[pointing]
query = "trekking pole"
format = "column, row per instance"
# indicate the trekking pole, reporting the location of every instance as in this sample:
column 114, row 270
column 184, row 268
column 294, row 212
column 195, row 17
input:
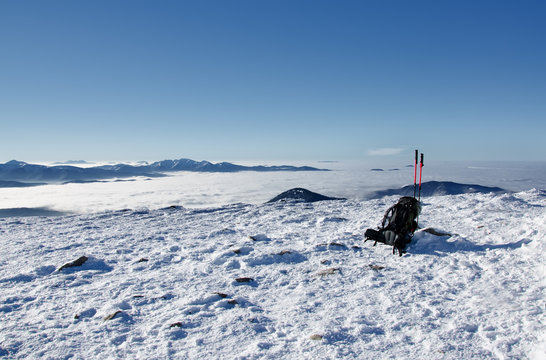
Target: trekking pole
column 420, row 174
column 420, row 177
column 415, row 173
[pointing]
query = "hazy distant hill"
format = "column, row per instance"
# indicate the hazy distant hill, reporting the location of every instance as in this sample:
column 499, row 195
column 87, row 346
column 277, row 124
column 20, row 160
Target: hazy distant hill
column 4, row 184
column 73, row 162
column 435, row 188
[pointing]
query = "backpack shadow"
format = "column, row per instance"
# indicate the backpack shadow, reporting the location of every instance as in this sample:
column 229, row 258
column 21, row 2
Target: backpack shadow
column 429, row 244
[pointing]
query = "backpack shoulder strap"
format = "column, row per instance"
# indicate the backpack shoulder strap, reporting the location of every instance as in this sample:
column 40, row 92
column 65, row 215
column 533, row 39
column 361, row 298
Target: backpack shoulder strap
column 387, row 215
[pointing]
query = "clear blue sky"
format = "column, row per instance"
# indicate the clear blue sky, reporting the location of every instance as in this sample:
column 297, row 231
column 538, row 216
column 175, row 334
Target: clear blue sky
column 265, row 80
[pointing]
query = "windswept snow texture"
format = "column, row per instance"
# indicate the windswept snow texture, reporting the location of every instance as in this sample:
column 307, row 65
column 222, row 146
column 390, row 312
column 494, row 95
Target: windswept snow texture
column 285, row 280
column 300, row 194
column 436, row 188
column 21, row 171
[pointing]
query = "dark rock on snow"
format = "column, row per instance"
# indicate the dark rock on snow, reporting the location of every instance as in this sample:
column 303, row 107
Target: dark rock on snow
column 113, row 315
column 78, row 262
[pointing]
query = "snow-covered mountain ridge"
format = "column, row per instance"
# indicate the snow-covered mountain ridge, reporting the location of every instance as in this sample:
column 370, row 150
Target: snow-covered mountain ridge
column 281, row 280
column 21, row 171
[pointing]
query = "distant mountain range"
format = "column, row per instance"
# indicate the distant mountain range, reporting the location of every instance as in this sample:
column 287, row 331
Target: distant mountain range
column 17, row 173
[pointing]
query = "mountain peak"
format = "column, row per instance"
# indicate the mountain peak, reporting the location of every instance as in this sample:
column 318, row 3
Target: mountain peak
column 15, row 163
column 301, row 194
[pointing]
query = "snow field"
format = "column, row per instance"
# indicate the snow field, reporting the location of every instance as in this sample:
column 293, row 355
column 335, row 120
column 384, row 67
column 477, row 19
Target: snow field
column 283, row 280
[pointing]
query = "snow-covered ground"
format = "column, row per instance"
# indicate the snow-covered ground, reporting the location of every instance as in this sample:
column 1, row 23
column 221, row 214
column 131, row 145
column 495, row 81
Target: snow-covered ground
column 162, row 283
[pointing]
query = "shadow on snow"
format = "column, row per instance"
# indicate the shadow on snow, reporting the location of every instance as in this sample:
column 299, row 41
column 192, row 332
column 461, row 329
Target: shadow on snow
column 424, row 243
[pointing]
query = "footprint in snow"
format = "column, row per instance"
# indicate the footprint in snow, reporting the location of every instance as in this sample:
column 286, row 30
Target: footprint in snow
column 85, row 314
column 331, row 220
column 230, row 254
column 284, row 257
column 215, row 300
column 176, row 332
column 222, row 232
column 331, row 246
column 329, row 271
column 38, row 272
column 14, row 303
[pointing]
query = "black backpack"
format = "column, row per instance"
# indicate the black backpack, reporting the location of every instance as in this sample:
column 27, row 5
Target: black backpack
column 398, row 225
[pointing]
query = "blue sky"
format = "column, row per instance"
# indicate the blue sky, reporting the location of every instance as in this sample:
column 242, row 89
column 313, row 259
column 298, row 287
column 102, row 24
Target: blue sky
column 272, row 80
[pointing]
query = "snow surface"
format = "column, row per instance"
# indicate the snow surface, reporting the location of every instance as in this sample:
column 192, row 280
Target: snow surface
column 161, row 283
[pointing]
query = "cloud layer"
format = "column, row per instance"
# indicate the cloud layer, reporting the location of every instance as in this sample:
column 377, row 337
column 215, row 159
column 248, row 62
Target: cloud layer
column 348, row 180
column 385, row 151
